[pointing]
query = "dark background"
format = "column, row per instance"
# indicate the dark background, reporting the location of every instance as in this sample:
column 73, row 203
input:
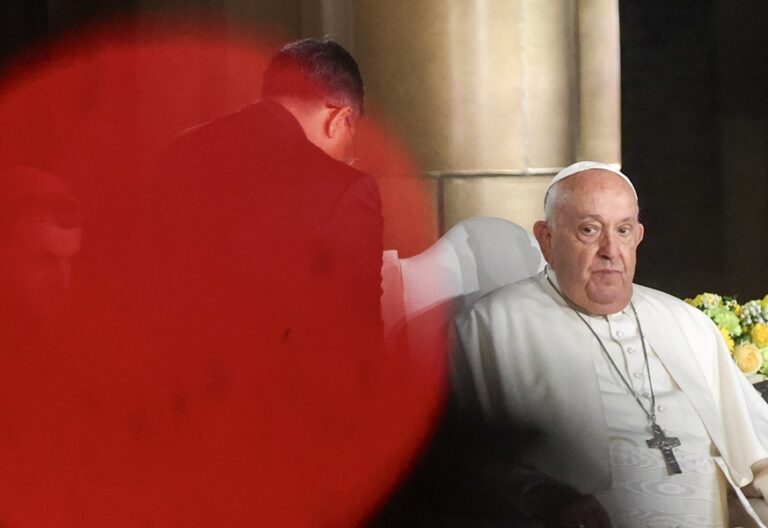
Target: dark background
column 694, row 128
column 695, row 141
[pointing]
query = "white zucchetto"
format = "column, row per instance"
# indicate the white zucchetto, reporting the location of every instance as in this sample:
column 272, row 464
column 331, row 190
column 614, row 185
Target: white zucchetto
column 581, row 166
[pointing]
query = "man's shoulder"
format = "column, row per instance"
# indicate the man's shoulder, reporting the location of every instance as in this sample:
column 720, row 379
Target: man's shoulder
column 265, row 139
column 362, row 184
column 520, row 288
column 664, row 301
column 647, row 292
column 651, row 294
column 280, row 131
column 512, row 297
column 255, row 123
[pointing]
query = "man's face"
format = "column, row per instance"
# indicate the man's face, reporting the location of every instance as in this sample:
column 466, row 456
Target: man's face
column 593, row 242
column 36, row 266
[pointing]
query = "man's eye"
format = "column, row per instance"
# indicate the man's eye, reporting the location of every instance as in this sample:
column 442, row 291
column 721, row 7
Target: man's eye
column 589, row 230
column 625, row 230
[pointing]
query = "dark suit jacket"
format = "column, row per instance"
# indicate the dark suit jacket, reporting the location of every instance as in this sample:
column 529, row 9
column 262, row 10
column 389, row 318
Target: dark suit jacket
column 255, row 218
column 263, row 277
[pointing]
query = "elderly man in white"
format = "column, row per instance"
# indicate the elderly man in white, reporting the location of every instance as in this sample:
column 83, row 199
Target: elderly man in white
column 634, row 391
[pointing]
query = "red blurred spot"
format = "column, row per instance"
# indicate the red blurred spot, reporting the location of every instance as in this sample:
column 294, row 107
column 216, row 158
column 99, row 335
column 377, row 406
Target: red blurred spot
column 173, row 393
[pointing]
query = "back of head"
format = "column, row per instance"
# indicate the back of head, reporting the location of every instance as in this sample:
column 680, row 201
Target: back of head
column 315, row 69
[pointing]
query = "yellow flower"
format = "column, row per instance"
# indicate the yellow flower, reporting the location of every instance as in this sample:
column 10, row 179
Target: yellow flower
column 705, row 300
column 727, row 338
column 747, row 358
column 710, row 300
column 759, row 335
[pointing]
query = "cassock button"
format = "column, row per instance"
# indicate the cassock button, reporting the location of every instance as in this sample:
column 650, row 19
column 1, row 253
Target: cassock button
column 638, row 375
column 661, row 408
column 630, row 350
column 619, row 333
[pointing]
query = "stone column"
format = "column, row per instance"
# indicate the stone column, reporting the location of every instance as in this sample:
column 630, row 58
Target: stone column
column 491, row 96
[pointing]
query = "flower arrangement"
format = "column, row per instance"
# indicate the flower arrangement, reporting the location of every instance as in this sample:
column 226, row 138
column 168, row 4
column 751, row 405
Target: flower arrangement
column 744, row 328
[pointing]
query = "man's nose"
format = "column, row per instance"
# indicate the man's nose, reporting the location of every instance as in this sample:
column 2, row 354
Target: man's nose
column 609, row 245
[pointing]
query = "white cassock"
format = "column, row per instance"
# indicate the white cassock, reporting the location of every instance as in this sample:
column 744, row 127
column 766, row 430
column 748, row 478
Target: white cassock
column 527, row 356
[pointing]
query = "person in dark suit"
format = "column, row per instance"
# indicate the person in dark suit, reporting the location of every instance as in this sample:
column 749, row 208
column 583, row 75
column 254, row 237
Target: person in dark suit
column 271, row 183
column 262, row 281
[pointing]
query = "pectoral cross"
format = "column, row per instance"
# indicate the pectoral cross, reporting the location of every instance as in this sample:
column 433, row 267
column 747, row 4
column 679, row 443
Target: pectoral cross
column 665, row 444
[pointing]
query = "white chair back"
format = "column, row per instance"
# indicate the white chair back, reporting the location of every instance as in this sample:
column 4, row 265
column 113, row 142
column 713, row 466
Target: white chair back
column 473, row 258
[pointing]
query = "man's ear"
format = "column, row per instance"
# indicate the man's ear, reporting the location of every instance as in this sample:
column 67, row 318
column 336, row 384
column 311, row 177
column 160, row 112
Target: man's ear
column 544, row 237
column 640, row 233
column 334, row 123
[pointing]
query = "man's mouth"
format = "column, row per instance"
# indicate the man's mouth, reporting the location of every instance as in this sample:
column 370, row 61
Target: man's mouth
column 607, row 272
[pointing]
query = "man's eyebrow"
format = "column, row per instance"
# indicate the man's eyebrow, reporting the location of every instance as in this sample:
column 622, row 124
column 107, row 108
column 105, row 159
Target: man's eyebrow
column 591, row 216
column 587, row 216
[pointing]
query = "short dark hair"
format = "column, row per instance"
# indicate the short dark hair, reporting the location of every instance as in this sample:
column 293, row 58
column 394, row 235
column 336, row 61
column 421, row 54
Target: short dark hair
column 314, row 68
